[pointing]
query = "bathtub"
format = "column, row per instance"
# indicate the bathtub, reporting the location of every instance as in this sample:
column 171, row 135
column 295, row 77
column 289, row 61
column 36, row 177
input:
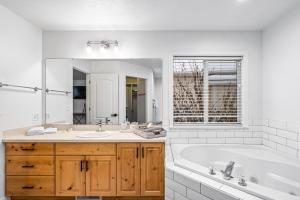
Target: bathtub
column 269, row 175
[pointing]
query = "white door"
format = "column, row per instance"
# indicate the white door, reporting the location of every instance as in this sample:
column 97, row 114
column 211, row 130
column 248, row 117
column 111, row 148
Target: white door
column 104, row 102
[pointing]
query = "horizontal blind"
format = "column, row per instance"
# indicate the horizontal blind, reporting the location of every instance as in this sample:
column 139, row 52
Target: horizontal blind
column 188, row 90
column 207, row 90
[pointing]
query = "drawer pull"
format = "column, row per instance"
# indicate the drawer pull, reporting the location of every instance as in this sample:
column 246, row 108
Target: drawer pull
column 28, row 166
column 27, row 149
column 86, row 165
column 137, row 152
column 81, row 165
column 28, row 187
column 142, row 152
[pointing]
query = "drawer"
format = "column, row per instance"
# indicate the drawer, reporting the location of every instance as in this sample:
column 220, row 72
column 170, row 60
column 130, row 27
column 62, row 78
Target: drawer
column 29, row 165
column 29, row 185
column 29, row 149
column 42, row 198
column 86, row 149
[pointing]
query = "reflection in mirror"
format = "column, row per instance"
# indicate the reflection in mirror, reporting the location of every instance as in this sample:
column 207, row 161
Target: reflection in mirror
column 135, row 99
column 103, row 91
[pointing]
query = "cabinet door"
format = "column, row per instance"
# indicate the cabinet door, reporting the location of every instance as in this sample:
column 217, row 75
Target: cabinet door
column 101, row 175
column 128, row 169
column 152, row 169
column 70, row 176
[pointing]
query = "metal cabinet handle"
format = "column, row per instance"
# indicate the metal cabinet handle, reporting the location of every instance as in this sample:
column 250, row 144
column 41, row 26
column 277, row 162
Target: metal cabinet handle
column 86, row 165
column 28, row 148
column 28, row 187
column 81, row 165
column 27, row 166
column 142, row 152
column 137, row 152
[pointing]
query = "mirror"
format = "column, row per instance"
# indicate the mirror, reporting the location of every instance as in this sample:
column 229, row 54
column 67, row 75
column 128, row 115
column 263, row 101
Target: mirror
column 89, row 91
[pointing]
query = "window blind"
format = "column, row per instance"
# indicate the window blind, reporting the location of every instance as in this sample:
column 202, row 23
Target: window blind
column 207, row 90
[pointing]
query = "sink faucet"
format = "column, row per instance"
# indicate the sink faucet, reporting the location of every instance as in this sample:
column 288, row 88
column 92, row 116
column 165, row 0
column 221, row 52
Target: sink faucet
column 228, row 170
column 99, row 126
column 107, row 120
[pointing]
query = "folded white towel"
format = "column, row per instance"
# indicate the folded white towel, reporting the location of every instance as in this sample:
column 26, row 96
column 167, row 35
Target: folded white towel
column 36, row 131
column 50, row 130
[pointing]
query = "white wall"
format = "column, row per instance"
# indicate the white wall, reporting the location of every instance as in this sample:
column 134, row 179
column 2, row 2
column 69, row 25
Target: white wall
column 158, row 98
column 281, row 69
column 20, row 63
column 59, row 76
column 165, row 44
column 281, row 84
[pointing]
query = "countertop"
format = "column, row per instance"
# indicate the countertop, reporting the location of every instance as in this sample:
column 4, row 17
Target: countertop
column 77, row 136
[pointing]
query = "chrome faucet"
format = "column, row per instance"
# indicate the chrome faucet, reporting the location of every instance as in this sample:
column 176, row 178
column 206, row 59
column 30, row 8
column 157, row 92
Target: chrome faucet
column 228, row 171
column 99, row 126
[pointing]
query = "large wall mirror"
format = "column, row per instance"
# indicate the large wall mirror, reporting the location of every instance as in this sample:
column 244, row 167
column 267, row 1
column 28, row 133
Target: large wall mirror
column 86, row 91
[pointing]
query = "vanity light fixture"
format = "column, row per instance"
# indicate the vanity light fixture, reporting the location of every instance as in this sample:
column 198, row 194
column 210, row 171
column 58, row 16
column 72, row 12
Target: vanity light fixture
column 103, row 44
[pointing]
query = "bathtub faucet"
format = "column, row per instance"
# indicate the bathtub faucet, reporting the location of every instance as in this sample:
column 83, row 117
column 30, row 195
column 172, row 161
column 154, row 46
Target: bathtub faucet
column 228, row 170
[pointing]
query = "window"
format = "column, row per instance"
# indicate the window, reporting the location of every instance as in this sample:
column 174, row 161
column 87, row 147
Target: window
column 207, row 90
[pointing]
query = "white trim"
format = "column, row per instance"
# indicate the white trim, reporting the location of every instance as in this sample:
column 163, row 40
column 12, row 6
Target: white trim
column 244, row 77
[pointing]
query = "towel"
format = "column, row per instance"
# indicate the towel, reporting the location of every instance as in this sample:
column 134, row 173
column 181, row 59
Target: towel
column 36, row 131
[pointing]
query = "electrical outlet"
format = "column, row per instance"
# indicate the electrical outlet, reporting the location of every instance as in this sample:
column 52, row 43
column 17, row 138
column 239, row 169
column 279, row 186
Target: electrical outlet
column 35, row 117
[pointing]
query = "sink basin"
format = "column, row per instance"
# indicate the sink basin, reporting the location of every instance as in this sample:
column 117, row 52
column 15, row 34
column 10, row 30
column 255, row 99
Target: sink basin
column 93, row 135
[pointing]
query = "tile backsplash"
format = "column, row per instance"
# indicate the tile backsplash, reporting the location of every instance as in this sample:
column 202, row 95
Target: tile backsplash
column 283, row 137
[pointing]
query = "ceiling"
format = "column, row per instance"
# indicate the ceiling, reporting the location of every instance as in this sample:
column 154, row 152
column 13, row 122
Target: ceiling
column 150, row 14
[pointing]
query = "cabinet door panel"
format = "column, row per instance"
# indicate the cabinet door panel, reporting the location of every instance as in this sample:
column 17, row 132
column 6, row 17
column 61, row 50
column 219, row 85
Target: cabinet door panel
column 152, row 169
column 70, row 176
column 101, row 176
column 128, row 169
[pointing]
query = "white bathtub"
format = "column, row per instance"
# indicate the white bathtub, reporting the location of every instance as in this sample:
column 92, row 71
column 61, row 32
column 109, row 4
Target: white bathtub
column 269, row 175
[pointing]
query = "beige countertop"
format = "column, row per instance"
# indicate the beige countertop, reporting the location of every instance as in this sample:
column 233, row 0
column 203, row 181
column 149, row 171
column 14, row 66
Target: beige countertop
column 79, row 136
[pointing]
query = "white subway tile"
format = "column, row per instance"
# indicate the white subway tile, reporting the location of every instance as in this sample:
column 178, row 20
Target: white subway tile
column 225, row 134
column 288, row 150
column 215, row 194
column 176, row 186
column 215, row 140
column 287, row 134
column 277, row 124
column 234, row 140
column 197, row 140
column 293, row 127
column 180, row 197
column 252, row 140
column 270, row 130
column 189, row 183
column 169, row 173
column 191, row 194
column 266, row 136
column 257, row 134
column 269, row 144
column 256, row 128
column 188, row 134
column 278, row 139
column 207, row 134
column 243, row 134
column 169, row 193
column 292, row 144
column 173, row 134
column 179, row 140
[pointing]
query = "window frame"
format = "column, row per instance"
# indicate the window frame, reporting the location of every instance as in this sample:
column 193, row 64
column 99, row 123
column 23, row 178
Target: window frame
column 244, row 94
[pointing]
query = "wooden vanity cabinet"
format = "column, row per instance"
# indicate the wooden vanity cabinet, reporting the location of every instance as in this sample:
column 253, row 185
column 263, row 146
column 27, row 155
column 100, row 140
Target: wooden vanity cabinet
column 140, row 169
column 128, row 169
column 70, row 176
column 152, row 169
column 84, row 169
